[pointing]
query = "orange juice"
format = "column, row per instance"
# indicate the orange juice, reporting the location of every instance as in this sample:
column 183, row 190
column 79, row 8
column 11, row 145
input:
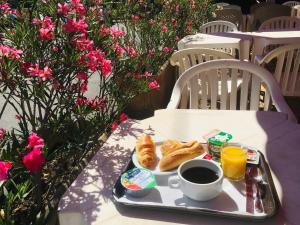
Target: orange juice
column 233, row 160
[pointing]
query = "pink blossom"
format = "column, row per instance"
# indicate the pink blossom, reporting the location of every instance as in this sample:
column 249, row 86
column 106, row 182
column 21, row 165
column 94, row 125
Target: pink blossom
column 73, row 26
column 36, row 21
column 118, row 48
column 167, row 50
column 106, row 67
column 132, row 53
column 177, row 8
column 56, row 85
column 114, row 126
column 2, row 134
column 45, row 34
column 63, row 9
column 47, row 23
column 35, row 142
column 34, row 160
column 150, row 52
column 82, row 76
column 173, row 20
column 34, row 70
column 177, row 38
column 84, row 87
column 18, row 116
column 114, row 31
column 81, row 101
column 148, row 74
column 5, row 50
column 164, row 28
column 55, row 49
column 45, row 74
column 15, row 53
column 123, row 117
column 97, row 103
column 84, row 44
column 135, row 17
column 4, row 6
column 104, row 31
column 154, row 85
column 4, row 167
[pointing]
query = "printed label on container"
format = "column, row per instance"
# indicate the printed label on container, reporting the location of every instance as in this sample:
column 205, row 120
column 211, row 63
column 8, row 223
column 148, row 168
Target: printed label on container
column 138, row 179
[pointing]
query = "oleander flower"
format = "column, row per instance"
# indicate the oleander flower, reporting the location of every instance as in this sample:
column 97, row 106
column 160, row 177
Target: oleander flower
column 34, row 160
column 106, row 67
column 2, row 134
column 154, row 85
column 35, row 142
column 114, row 126
column 123, row 117
column 4, row 167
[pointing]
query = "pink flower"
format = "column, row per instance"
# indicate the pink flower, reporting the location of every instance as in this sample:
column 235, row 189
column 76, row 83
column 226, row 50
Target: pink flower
column 2, row 134
column 34, row 71
column 73, row 26
column 45, row 34
column 98, row 103
column 35, row 142
column 177, row 9
column 114, row 126
column 5, row 50
column 167, row 50
column 118, row 48
column 164, row 28
column 82, row 76
column 150, row 53
column 15, row 53
column 45, row 74
column 106, row 67
column 173, row 20
column 5, row 8
column 63, row 9
column 81, row 101
column 84, row 44
column 4, row 167
column 18, row 116
column 104, row 31
column 47, row 23
column 55, row 49
column 123, row 117
column 36, row 21
column 135, row 17
column 154, row 85
column 84, row 87
column 132, row 53
column 34, row 160
column 148, row 74
column 114, row 31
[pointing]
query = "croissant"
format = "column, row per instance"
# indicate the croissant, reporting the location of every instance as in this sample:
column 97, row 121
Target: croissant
column 170, row 146
column 175, row 158
column 145, row 149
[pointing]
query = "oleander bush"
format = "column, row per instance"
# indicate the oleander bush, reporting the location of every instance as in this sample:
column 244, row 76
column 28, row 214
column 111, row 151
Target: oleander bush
column 50, row 50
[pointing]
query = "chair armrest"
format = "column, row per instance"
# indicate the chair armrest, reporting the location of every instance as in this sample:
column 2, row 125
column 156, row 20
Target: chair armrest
column 258, row 60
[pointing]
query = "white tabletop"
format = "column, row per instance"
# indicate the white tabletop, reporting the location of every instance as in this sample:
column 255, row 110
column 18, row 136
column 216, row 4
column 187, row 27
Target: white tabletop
column 89, row 199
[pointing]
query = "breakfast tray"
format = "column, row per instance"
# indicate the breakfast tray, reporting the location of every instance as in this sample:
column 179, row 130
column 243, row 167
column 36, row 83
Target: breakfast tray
column 253, row 198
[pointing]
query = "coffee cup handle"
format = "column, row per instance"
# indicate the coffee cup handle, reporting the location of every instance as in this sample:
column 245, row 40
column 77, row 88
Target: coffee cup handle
column 174, row 182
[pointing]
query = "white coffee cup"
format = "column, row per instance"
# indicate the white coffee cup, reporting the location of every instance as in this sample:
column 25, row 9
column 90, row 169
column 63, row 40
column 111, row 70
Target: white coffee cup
column 196, row 191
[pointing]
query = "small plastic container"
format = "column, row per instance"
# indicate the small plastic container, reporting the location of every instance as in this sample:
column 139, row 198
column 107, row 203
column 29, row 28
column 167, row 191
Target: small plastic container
column 138, row 182
column 215, row 144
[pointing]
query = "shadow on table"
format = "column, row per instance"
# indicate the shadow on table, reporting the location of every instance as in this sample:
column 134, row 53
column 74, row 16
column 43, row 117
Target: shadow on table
column 283, row 156
column 107, row 164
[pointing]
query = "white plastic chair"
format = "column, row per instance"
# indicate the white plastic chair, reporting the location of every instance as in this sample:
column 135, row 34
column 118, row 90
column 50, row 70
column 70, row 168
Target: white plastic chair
column 281, row 23
column 222, row 4
column 218, row 26
column 215, row 71
column 284, row 62
column 291, row 3
column 186, row 58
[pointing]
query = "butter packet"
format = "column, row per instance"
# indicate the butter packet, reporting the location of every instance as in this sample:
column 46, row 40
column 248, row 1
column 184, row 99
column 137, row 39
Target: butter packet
column 252, row 156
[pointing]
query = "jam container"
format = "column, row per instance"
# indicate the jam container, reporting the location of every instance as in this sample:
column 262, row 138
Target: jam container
column 215, row 144
column 138, row 182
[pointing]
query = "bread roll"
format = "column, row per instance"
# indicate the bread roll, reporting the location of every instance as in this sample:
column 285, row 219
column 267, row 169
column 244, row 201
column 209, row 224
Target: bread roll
column 177, row 157
column 170, row 146
column 145, row 149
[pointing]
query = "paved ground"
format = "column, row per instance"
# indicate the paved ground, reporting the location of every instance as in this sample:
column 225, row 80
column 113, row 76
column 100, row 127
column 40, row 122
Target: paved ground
column 8, row 119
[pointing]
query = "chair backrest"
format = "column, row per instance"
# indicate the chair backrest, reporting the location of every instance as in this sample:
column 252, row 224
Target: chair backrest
column 284, row 62
column 237, row 7
column 232, row 15
column 217, row 72
column 268, row 11
column 189, row 57
column 280, row 24
column 222, row 4
column 218, row 26
column 291, row 3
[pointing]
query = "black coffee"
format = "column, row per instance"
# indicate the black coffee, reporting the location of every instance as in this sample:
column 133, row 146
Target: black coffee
column 200, row 175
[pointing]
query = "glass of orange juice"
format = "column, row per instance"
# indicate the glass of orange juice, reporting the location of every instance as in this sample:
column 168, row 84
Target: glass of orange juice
column 233, row 161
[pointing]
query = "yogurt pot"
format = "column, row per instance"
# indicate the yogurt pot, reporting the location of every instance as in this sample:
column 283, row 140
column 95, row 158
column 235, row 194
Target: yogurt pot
column 138, row 182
